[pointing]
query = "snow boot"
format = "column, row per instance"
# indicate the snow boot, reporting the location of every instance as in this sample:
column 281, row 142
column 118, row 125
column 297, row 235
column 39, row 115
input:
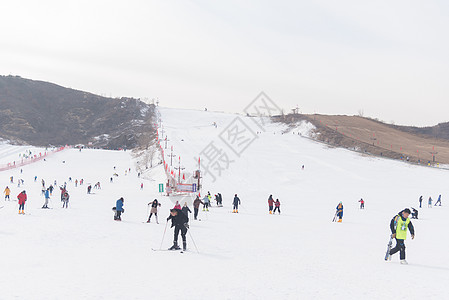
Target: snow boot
column 237, row 211
column 404, row 262
column 184, row 246
column 271, row 212
column 339, row 220
column 175, row 246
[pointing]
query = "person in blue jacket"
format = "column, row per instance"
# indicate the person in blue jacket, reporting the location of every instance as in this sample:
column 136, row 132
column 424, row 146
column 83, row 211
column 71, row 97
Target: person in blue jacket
column 438, row 201
column 340, row 212
column 119, row 209
column 47, row 197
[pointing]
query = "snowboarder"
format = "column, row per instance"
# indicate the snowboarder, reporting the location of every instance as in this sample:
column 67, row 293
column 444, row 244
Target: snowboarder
column 22, row 197
column 186, row 210
column 340, row 212
column 277, row 206
column 179, row 221
column 430, row 202
column 47, row 197
column 398, row 227
column 236, row 203
column 420, row 202
column 65, row 200
column 206, row 203
column 438, row 201
column 270, row 204
column 119, row 209
column 154, row 205
column 414, row 213
column 362, row 203
column 177, row 205
column 196, row 207
column 7, row 192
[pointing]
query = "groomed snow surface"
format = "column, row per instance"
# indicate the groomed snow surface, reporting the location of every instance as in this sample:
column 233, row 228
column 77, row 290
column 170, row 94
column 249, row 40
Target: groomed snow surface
column 82, row 253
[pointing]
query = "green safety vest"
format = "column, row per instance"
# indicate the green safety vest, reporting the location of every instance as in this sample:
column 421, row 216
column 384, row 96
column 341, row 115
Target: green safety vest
column 401, row 228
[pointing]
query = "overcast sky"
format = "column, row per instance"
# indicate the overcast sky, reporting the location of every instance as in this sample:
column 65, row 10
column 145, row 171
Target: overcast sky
column 387, row 58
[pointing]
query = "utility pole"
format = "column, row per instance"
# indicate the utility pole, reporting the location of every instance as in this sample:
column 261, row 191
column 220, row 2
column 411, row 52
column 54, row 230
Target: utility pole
column 166, row 140
column 171, row 157
column 179, row 170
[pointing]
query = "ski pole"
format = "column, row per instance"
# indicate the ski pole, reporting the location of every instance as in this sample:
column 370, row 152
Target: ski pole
column 333, row 220
column 194, row 242
column 163, row 236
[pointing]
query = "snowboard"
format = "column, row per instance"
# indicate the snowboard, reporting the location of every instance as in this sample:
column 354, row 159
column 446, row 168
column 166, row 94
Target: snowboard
column 390, row 243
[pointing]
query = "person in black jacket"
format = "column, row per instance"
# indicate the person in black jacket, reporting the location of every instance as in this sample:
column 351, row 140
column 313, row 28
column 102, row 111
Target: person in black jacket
column 179, row 221
column 186, row 210
column 398, row 226
column 236, row 203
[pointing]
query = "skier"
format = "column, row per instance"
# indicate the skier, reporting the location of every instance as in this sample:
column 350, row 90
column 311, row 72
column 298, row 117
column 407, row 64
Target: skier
column 196, row 206
column 22, row 197
column 277, row 207
column 217, row 199
column 47, row 197
column 206, row 203
column 51, row 189
column 430, row 202
column 63, row 190
column 177, row 205
column 7, row 192
column 398, row 227
column 362, row 203
column 119, row 209
column 420, row 201
column 179, row 221
column 141, row 186
column 210, row 198
column 414, row 213
column 438, row 201
column 220, row 200
column 89, row 188
column 270, row 204
column 236, row 203
column 186, row 210
column 65, row 200
column 340, row 212
column 154, row 205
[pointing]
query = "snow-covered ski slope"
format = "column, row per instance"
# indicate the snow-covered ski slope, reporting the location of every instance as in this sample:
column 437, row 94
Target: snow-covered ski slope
column 81, row 253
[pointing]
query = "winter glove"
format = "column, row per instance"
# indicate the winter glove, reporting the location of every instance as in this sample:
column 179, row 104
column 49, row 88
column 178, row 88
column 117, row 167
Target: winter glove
column 393, row 235
column 186, row 225
column 168, row 219
column 413, row 236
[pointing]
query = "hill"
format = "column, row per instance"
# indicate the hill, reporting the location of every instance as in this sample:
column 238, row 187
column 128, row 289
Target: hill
column 41, row 113
column 420, row 145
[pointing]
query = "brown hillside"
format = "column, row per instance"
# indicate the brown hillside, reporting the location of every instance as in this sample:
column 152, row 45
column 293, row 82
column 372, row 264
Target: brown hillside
column 370, row 136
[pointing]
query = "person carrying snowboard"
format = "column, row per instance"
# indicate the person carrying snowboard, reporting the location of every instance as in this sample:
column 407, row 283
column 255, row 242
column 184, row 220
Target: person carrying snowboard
column 7, row 192
column 179, row 221
column 438, row 201
column 362, row 203
column 196, row 207
column 236, row 203
column 270, row 204
column 340, row 212
column 398, row 226
column 277, row 206
column 154, row 205
column 22, row 197
column 119, row 209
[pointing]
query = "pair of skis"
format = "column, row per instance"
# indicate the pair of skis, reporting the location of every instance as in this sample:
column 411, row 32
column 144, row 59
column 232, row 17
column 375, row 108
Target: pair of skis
column 389, row 246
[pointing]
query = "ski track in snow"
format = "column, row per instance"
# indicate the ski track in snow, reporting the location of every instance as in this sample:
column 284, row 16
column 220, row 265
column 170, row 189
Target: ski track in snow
column 82, row 253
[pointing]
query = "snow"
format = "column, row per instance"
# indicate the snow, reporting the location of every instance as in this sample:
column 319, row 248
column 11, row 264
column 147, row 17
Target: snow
column 82, row 253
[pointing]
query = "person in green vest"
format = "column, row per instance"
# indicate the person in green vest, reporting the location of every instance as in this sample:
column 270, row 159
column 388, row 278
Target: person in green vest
column 398, row 226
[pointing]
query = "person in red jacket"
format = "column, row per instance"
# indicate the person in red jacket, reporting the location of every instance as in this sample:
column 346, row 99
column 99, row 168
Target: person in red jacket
column 270, row 204
column 22, row 197
column 277, row 205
